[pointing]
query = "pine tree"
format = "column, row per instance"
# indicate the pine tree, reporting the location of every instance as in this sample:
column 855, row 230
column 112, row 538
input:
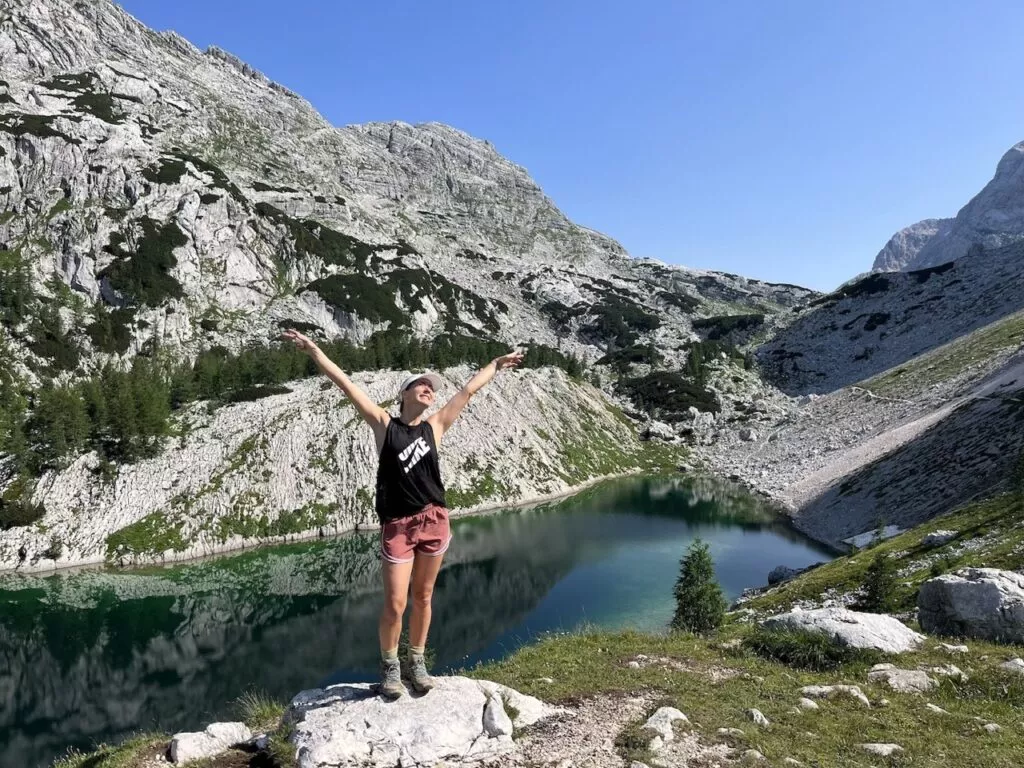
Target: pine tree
column 700, row 605
column 879, row 585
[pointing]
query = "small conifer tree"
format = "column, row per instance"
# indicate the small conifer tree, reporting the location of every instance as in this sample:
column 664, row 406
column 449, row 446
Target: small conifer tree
column 879, row 585
column 700, row 606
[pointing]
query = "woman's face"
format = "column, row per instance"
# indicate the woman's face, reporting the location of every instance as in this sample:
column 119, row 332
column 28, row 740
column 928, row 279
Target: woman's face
column 419, row 392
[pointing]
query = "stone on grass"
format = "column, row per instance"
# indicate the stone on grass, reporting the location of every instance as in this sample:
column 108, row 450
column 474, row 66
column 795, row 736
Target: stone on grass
column 808, row 704
column 638, row 764
column 758, row 717
column 903, row 680
column 950, row 670
column 828, row 691
column 735, row 733
column 662, row 721
column 753, row 757
column 974, row 602
column 790, row 761
column 954, row 648
column 217, row 738
column 938, row 538
column 882, row 750
column 460, row 722
column 851, row 628
column 992, row 727
column 1013, row 665
column 936, row 709
column 633, row 664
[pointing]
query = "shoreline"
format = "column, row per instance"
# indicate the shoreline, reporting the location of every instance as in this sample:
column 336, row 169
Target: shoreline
column 237, row 545
column 199, row 554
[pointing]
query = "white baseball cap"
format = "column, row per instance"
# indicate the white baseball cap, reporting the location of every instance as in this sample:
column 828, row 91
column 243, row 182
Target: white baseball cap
column 433, row 378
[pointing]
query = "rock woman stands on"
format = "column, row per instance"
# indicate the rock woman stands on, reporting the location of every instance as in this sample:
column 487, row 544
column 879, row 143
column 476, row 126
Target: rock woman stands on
column 410, row 501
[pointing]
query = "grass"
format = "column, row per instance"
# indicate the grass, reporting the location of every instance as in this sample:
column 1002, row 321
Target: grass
column 714, row 687
column 259, row 711
column 947, row 361
column 129, row 754
column 990, row 535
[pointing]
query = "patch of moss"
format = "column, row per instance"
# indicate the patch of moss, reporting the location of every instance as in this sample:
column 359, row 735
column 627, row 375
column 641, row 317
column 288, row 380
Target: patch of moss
column 360, row 295
column 153, row 534
column 208, row 198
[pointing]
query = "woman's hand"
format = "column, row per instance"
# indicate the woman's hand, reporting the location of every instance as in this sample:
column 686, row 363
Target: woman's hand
column 304, row 343
column 511, row 360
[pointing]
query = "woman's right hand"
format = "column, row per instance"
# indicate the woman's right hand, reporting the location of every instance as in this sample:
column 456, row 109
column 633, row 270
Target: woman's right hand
column 301, row 341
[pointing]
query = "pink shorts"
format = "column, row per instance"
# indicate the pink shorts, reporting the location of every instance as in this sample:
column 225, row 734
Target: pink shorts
column 426, row 532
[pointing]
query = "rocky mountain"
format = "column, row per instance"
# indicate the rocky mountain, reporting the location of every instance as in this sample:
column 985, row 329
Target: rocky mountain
column 903, row 247
column 992, row 219
column 167, row 211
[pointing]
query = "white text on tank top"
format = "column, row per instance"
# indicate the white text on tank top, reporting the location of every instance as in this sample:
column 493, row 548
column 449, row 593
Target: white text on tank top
column 415, row 451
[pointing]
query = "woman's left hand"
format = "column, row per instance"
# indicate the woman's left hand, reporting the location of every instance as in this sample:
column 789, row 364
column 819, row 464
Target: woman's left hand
column 510, row 360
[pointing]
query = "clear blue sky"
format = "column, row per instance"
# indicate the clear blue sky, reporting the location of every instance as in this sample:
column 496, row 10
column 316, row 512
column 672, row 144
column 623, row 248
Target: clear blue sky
column 781, row 140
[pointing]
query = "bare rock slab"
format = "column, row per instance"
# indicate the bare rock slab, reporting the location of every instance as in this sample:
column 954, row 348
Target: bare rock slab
column 851, row 628
column 903, row 680
column 217, row 738
column 974, row 602
column 460, row 722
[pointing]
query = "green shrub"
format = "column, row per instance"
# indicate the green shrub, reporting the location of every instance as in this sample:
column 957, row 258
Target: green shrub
column 667, row 395
column 806, row 650
column 142, row 271
column 700, row 606
column 718, row 327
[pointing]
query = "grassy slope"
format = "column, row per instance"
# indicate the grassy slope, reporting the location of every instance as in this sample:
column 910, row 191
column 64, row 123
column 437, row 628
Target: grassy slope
column 951, row 359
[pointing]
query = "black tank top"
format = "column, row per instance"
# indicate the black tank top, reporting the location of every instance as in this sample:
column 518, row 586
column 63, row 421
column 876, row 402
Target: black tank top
column 408, row 475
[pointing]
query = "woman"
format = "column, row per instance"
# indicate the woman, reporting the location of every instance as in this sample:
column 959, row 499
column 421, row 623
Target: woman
column 410, row 502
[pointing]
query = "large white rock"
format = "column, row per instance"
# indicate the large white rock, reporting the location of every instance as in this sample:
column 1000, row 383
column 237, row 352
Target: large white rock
column 851, row 628
column 460, row 722
column 975, row 602
column 938, row 538
column 217, row 738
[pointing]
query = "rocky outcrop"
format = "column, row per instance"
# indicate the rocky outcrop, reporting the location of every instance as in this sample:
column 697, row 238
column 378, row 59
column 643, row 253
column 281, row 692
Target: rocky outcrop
column 216, row 738
column 903, row 247
column 993, row 218
column 350, row 725
column 976, row 602
column 850, row 628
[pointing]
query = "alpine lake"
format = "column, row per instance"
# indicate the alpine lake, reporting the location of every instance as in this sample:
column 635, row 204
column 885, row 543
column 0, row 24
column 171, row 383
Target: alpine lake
column 96, row 655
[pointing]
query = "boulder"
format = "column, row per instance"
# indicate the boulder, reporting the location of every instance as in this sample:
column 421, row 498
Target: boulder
column 828, row 691
column 974, row 602
column 781, row 573
column 851, row 628
column 460, row 722
column 938, row 538
column 903, row 680
column 1013, row 665
column 661, row 722
column 217, row 738
column 748, row 435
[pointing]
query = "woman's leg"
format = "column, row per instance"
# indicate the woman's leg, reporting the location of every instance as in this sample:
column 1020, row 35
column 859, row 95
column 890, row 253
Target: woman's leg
column 424, row 573
column 396, row 593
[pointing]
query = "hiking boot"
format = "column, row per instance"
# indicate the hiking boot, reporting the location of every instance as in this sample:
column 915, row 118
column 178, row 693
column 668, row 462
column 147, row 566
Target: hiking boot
column 391, row 679
column 421, row 681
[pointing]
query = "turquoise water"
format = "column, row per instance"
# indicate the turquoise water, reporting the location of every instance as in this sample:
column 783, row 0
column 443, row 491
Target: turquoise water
column 94, row 656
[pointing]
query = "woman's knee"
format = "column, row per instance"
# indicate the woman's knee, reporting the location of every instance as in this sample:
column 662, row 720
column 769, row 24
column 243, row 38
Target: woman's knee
column 422, row 595
column 393, row 609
